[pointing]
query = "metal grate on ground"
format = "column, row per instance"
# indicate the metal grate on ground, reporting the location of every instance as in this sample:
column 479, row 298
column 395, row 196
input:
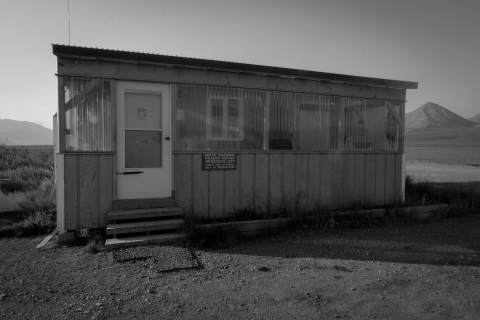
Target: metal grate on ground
column 163, row 258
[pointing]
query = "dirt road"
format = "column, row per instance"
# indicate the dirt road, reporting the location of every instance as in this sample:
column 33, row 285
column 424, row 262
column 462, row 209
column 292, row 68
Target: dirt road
column 424, row 271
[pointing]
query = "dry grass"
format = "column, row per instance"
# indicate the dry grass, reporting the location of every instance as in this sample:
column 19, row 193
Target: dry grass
column 31, row 187
column 36, row 223
column 462, row 198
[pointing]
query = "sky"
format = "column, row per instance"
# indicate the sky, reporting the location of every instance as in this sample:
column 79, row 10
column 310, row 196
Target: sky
column 433, row 42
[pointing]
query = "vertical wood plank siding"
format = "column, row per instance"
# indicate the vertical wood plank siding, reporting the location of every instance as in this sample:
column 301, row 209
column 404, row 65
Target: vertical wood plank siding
column 88, row 190
column 71, row 191
column 288, row 179
column 349, row 179
column 261, row 180
column 301, row 180
column 390, row 176
column 247, row 178
column 338, row 180
column 232, row 190
column 200, row 186
column 216, row 193
column 370, row 164
column 380, row 179
column 359, row 178
column 326, row 190
column 268, row 181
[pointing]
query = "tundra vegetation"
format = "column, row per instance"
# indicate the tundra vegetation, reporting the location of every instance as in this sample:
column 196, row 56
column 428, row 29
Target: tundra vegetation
column 27, row 178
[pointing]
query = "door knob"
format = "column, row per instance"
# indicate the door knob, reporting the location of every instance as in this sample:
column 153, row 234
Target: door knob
column 167, row 138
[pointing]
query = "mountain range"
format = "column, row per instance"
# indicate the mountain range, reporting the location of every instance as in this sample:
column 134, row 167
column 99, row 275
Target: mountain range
column 15, row 132
column 431, row 115
column 432, row 125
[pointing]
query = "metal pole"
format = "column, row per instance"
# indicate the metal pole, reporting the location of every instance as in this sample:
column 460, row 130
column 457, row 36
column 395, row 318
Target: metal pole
column 68, row 22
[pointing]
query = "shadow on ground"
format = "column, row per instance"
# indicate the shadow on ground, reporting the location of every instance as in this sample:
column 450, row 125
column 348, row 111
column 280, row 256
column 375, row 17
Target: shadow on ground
column 451, row 241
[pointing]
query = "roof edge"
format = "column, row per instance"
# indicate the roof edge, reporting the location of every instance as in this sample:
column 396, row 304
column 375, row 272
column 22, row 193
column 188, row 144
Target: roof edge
column 138, row 57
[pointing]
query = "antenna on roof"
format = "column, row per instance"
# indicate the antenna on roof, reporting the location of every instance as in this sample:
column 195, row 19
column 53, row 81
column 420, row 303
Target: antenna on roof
column 68, row 22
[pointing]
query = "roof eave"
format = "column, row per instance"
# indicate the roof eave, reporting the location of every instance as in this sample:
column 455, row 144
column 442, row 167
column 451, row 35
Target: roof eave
column 174, row 61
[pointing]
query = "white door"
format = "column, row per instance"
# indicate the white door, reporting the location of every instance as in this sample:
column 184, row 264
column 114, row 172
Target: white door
column 143, row 140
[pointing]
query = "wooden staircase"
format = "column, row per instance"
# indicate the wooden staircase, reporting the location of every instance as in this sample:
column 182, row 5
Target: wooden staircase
column 136, row 222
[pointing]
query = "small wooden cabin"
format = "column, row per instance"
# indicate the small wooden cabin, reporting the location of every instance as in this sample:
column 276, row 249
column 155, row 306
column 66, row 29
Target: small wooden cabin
column 139, row 130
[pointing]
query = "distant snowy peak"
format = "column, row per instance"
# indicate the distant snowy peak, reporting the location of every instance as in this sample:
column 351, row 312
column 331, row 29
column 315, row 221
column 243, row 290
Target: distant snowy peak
column 431, row 115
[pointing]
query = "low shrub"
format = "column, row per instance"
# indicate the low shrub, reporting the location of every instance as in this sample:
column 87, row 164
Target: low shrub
column 35, row 200
column 29, row 177
column 40, row 211
column 12, row 157
column 13, row 186
column 34, row 224
column 461, row 198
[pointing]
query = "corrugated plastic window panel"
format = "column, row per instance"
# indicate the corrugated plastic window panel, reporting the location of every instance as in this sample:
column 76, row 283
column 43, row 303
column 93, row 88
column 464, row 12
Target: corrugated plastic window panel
column 355, row 132
column 305, row 122
column 88, row 108
column 394, row 126
column 235, row 119
column 219, row 118
column 384, row 125
column 283, row 131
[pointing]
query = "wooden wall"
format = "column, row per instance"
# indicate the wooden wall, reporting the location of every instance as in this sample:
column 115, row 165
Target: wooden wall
column 271, row 180
column 265, row 181
column 88, row 190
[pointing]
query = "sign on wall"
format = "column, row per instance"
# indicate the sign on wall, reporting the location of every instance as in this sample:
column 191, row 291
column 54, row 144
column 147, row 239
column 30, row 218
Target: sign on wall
column 219, row 161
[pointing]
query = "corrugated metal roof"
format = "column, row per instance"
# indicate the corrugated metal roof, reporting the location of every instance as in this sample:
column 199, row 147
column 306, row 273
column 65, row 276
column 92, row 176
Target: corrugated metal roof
column 228, row 66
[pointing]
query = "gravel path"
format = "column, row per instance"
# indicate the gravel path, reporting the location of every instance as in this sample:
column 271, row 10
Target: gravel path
column 423, row 271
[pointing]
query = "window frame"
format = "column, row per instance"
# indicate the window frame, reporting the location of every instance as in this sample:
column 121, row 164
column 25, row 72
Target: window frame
column 225, row 126
column 64, row 106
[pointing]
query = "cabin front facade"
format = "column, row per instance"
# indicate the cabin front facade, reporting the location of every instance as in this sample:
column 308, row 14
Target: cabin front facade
column 213, row 138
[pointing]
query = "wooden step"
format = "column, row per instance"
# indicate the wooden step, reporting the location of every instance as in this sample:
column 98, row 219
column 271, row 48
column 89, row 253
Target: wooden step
column 144, row 213
column 119, row 228
column 140, row 240
column 143, row 203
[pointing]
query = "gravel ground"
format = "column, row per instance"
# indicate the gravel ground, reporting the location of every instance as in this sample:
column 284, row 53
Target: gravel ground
column 422, row 271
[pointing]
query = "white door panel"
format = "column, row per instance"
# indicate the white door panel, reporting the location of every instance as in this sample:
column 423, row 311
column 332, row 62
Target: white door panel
column 143, row 140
